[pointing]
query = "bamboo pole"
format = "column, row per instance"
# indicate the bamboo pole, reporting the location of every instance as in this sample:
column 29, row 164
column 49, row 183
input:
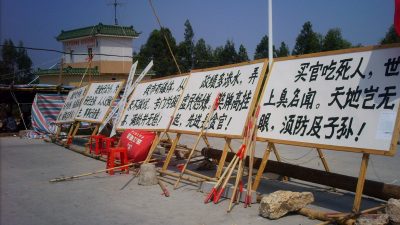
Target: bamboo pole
column 171, row 151
column 88, row 174
column 163, row 188
column 360, row 183
column 223, row 158
column 324, row 162
column 213, row 191
column 261, row 169
column 153, row 146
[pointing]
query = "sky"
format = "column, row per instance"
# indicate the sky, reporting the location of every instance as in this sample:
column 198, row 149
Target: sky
column 37, row 23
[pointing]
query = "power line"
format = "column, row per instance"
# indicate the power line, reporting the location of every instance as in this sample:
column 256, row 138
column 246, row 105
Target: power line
column 67, row 53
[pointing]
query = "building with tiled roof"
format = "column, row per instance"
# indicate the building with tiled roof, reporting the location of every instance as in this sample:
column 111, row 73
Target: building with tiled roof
column 110, row 45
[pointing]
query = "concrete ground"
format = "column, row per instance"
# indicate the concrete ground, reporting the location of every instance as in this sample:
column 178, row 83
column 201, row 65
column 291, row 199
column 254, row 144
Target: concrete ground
column 27, row 197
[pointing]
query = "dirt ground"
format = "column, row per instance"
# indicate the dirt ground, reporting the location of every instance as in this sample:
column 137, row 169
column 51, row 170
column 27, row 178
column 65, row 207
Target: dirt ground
column 27, row 197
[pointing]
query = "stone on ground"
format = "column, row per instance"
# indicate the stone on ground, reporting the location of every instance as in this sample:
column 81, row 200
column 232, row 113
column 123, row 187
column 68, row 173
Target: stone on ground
column 148, row 175
column 393, row 210
column 373, row 219
column 279, row 203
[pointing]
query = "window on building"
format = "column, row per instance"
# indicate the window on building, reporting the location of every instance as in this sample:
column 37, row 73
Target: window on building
column 71, row 56
column 90, row 53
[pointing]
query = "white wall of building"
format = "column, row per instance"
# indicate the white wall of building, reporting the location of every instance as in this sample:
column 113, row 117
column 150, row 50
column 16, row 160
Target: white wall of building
column 99, row 45
column 115, row 46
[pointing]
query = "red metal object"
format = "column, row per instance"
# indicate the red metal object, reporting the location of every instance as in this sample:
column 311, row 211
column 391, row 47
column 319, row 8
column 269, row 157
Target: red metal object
column 123, row 155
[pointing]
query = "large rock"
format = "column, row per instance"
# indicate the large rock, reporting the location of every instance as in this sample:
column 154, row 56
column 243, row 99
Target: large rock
column 373, row 219
column 393, row 209
column 148, row 175
column 279, row 203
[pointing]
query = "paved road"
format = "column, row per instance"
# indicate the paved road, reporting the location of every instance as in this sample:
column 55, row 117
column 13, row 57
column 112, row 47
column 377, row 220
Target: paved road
column 28, row 198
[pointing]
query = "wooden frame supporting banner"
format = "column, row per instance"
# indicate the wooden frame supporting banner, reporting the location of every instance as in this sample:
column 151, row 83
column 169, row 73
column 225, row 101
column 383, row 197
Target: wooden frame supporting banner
column 360, row 183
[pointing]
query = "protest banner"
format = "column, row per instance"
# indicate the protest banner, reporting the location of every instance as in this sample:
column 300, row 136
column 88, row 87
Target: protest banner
column 345, row 100
column 236, row 86
column 97, row 103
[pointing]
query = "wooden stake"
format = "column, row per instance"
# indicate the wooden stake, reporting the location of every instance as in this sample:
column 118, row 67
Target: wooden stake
column 251, row 162
column 206, row 142
column 213, row 191
column 171, row 152
column 91, row 173
column 360, row 183
column 153, row 146
column 261, row 169
column 188, row 178
column 226, row 180
column 278, row 158
column 159, row 138
column 188, row 159
column 163, row 188
column 58, row 131
column 248, row 141
column 96, row 129
column 75, row 130
column 223, row 158
column 324, row 162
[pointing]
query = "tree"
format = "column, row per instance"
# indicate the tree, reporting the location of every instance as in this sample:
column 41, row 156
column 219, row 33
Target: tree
column 262, row 48
column 334, row 41
column 217, row 55
column 15, row 64
column 157, row 49
column 283, row 50
column 391, row 36
column 202, row 55
column 307, row 41
column 228, row 54
column 242, row 54
column 186, row 48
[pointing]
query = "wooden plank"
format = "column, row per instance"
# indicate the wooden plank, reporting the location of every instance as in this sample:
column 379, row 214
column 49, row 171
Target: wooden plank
column 223, row 158
column 153, row 147
column 360, row 183
column 262, row 166
column 324, row 162
column 171, row 152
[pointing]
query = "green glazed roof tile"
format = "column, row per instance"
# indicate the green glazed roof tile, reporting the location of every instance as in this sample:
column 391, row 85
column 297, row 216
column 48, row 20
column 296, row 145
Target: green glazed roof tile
column 99, row 29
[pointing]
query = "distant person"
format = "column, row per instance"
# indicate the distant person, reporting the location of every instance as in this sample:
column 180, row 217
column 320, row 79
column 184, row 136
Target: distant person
column 9, row 123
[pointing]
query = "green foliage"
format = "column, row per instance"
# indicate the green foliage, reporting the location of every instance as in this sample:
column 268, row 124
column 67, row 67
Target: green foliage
column 307, row 41
column 262, row 48
column 391, row 36
column 186, row 48
column 157, row 49
column 242, row 54
column 202, row 55
column 15, row 65
column 283, row 50
column 228, row 55
column 333, row 41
